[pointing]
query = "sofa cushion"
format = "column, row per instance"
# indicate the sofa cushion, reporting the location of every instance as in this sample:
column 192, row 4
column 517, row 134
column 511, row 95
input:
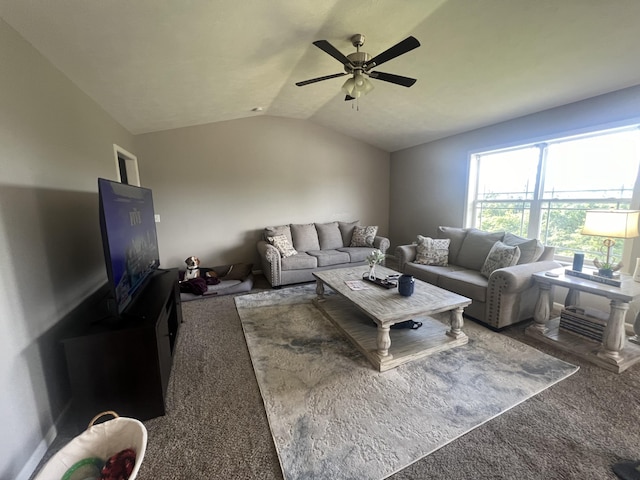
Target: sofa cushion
column 279, row 230
column 299, row 262
column 330, row 257
column 305, row 237
column 468, row 283
column 530, row 248
column 432, row 252
column 500, row 256
column 281, row 242
column 363, row 236
column 346, row 230
column 356, row 254
column 456, row 236
column 429, row 273
column 475, row 248
column 329, row 236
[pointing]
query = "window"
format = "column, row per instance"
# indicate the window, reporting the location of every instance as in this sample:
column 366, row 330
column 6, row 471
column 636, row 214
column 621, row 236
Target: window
column 543, row 190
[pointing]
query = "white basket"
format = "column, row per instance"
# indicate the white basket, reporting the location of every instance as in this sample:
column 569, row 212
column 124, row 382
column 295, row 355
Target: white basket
column 103, row 441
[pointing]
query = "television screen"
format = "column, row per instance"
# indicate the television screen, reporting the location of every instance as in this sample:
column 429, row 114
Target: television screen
column 127, row 222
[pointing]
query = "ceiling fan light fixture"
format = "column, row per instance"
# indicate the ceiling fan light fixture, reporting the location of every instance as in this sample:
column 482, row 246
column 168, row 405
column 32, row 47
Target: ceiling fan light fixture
column 367, row 87
column 349, row 86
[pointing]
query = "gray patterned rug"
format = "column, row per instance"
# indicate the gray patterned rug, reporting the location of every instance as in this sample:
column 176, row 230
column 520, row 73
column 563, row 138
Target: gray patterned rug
column 332, row 416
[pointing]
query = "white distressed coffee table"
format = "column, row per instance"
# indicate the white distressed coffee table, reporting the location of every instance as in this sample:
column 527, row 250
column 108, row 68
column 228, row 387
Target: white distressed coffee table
column 353, row 311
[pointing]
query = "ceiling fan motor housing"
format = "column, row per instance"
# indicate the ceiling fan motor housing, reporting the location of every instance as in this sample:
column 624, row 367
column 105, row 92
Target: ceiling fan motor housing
column 359, row 59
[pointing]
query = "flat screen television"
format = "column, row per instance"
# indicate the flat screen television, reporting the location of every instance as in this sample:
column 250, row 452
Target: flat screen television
column 127, row 223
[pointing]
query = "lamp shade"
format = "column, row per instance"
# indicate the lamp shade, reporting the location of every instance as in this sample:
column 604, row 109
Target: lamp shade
column 612, row 223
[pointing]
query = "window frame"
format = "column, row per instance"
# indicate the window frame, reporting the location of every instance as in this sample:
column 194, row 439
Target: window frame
column 539, row 203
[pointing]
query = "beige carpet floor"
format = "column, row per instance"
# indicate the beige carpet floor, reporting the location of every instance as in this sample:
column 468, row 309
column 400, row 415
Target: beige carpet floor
column 216, row 426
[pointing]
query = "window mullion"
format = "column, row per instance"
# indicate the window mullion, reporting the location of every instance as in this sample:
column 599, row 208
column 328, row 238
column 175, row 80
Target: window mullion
column 535, row 212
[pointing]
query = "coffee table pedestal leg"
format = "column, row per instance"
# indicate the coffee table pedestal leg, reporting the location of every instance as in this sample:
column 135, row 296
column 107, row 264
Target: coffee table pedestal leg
column 384, row 342
column 614, row 334
column 456, row 323
column 320, row 291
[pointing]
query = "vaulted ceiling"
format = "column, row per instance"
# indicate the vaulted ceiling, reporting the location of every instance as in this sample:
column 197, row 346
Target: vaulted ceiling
column 162, row 64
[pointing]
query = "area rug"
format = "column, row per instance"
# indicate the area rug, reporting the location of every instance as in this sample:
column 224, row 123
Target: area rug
column 333, row 416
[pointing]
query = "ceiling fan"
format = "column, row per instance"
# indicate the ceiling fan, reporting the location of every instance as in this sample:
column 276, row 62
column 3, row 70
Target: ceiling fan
column 359, row 65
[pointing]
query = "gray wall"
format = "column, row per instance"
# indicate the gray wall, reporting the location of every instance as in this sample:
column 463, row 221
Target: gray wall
column 54, row 143
column 217, row 186
column 429, row 181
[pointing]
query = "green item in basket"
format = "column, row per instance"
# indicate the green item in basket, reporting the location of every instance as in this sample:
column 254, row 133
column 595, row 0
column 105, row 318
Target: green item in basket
column 85, row 469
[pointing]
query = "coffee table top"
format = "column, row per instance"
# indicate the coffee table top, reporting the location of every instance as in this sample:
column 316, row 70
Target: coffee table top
column 387, row 305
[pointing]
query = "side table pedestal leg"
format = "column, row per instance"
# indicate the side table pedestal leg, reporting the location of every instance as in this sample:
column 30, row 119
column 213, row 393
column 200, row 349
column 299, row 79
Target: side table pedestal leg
column 614, row 333
column 542, row 312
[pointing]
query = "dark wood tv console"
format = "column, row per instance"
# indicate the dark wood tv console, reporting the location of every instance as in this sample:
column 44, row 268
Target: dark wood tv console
column 123, row 364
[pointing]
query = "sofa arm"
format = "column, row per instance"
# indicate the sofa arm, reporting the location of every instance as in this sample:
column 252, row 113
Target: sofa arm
column 381, row 243
column 271, row 263
column 519, row 277
column 512, row 293
column 404, row 255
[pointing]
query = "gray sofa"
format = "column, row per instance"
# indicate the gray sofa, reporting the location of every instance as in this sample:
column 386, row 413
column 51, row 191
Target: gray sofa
column 318, row 246
column 507, row 296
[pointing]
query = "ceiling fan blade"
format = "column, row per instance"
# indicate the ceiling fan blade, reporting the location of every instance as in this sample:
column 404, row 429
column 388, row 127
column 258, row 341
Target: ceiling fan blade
column 326, row 47
column 349, row 97
column 391, row 78
column 319, row 79
column 398, row 49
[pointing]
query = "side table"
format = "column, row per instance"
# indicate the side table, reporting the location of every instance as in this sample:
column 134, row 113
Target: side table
column 615, row 353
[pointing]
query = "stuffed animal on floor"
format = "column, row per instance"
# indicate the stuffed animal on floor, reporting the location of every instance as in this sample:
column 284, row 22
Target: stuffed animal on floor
column 193, row 268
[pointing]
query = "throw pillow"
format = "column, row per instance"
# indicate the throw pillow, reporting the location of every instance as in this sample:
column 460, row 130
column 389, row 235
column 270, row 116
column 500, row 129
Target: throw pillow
column 500, row 256
column 432, row 251
column 281, row 242
column 363, row 236
column 530, row 249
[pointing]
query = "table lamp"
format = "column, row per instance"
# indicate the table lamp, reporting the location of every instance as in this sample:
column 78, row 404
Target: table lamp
column 611, row 224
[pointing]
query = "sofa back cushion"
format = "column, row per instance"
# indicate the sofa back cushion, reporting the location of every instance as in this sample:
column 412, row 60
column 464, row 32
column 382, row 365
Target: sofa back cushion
column 329, row 236
column 456, row 236
column 475, row 248
column 346, row 230
column 305, row 237
column 530, row 249
column 279, row 230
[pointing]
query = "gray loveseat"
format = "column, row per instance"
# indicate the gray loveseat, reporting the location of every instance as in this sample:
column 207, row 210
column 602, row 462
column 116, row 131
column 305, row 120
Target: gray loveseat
column 317, row 246
column 507, row 296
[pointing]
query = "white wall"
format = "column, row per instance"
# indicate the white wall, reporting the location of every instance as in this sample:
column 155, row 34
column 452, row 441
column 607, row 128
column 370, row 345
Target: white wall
column 217, row 186
column 429, row 181
column 54, row 143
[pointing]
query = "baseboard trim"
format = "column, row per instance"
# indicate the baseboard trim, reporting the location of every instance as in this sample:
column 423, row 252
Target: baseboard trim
column 39, row 453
